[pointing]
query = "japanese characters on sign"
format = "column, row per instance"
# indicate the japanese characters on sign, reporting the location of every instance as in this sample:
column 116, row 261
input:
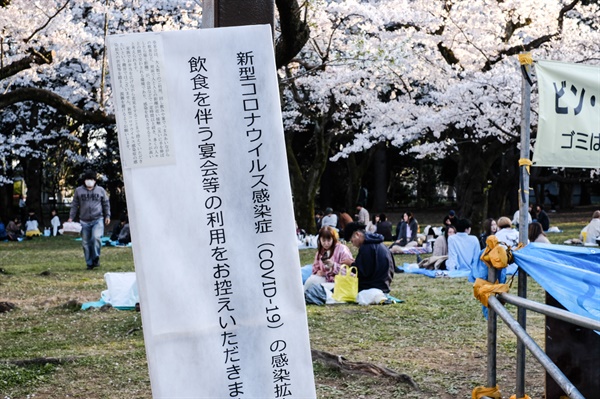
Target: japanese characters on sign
column 258, row 170
column 223, row 309
column 139, row 92
column 569, row 117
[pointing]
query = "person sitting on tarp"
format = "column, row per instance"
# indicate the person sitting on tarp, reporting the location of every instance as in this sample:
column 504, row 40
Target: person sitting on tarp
column 437, row 261
column 463, row 248
column 32, row 228
column 536, row 233
column 506, row 234
column 374, row 261
column 516, row 217
column 490, row 227
column 330, row 256
column 114, row 236
column 406, row 233
column 592, row 230
column 450, row 219
column 13, row 229
column 121, row 233
column 542, row 217
column 125, row 234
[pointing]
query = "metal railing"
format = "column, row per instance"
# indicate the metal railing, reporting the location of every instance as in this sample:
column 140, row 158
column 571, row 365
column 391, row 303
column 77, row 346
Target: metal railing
column 496, row 308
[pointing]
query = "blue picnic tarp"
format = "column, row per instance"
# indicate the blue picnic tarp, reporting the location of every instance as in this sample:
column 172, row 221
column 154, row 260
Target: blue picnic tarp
column 570, row 274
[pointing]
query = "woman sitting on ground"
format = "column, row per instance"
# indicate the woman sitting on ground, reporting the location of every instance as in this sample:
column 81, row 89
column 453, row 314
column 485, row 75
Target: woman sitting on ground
column 13, row 229
column 331, row 255
column 536, row 233
column 437, row 260
column 406, row 233
column 440, row 245
column 506, row 233
column 373, row 224
column 592, row 230
column 32, row 228
column 489, row 229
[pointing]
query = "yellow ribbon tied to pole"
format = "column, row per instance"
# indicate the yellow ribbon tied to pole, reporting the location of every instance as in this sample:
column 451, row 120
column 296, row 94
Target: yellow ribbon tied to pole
column 494, row 255
column 482, row 289
column 525, row 59
column 527, row 163
column 493, row 392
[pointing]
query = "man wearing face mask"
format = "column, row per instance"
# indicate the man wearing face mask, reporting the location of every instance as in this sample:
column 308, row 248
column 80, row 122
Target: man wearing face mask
column 91, row 201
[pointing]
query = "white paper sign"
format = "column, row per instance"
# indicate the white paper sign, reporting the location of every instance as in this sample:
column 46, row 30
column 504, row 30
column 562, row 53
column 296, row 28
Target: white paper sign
column 212, row 222
column 569, row 118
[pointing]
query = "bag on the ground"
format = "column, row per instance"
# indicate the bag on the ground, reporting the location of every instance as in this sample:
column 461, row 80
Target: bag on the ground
column 371, row 296
column 345, row 287
column 315, row 295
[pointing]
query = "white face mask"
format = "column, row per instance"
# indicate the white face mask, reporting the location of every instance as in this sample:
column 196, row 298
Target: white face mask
column 90, row 183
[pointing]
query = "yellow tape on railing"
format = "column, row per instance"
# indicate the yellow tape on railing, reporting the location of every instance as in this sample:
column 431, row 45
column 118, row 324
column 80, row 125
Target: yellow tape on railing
column 482, row 290
column 479, row 392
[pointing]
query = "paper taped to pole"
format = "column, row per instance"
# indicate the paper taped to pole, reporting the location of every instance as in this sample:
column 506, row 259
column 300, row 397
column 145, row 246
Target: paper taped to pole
column 569, row 115
column 210, row 207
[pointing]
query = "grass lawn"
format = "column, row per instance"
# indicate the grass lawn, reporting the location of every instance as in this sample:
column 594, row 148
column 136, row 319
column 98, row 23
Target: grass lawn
column 437, row 336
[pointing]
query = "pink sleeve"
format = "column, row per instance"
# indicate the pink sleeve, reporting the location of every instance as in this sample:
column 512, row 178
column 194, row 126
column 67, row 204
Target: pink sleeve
column 317, row 264
column 341, row 253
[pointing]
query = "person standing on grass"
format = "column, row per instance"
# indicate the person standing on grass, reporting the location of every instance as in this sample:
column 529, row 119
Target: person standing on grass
column 91, row 201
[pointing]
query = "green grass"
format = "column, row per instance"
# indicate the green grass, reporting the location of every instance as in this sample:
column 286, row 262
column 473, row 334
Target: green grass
column 437, row 336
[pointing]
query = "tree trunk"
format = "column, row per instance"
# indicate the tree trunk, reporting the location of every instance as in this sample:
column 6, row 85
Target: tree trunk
column 32, row 169
column 7, row 211
column 305, row 180
column 565, row 192
column 471, row 180
column 380, row 178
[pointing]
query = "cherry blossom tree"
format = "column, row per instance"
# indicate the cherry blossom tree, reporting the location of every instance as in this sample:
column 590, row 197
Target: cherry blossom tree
column 437, row 79
column 54, row 96
column 55, row 102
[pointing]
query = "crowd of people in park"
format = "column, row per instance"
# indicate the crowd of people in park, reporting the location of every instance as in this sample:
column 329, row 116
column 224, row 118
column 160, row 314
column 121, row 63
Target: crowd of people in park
column 451, row 245
column 376, row 241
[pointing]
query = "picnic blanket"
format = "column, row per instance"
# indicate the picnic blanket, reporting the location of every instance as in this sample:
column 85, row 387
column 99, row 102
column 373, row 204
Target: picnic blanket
column 414, row 251
column 570, row 274
column 413, row 268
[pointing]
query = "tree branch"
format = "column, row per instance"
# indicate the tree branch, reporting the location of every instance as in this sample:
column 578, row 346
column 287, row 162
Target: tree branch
column 39, row 29
column 54, row 100
column 35, row 57
column 534, row 43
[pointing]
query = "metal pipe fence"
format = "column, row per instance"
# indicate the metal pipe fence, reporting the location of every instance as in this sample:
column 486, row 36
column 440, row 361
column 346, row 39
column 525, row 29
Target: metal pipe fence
column 496, row 308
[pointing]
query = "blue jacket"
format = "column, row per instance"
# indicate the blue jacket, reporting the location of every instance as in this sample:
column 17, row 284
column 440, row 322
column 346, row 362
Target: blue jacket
column 375, row 264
